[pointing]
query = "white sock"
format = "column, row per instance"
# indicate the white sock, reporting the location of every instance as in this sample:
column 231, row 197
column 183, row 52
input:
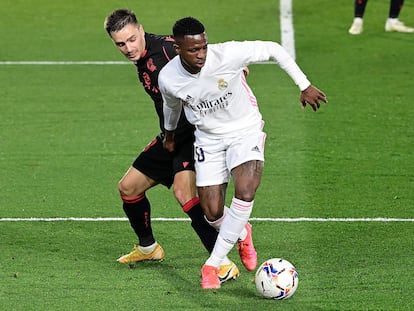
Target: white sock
column 147, row 249
column 243, row 234
column 230, row 230
column 225, row 261
column 217, row 223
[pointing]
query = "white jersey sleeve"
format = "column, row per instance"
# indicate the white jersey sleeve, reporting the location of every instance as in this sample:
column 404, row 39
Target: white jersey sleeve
column 172, row 104
column 250, row 52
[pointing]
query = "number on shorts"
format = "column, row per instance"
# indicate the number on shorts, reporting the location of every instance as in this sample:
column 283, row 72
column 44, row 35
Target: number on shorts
column 200, row 154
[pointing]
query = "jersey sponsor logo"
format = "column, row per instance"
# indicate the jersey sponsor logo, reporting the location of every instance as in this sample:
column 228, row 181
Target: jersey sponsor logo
column 210, row 106
column 207, row 106
column 222, row 84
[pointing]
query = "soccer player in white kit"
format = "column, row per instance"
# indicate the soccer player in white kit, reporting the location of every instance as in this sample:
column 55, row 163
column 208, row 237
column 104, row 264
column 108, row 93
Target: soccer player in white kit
column 208, row 80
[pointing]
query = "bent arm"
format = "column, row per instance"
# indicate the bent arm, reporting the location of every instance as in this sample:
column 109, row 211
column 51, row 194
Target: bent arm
column 172, row 109
column 171, row 105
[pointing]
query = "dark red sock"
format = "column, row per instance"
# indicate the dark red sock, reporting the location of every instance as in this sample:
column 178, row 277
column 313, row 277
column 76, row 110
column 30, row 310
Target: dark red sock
column 206, row 233
column 359, row 8
column 138, row 211
column 395, row 8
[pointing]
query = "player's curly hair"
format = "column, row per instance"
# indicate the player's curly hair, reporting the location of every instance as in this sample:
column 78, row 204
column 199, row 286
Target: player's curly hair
column 187, row 26
column 118, row 19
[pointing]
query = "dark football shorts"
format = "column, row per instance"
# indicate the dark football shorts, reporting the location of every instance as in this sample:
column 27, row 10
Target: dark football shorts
column 161, row 165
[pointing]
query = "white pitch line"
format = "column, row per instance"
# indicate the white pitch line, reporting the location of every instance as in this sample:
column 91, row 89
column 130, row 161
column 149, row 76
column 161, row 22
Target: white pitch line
column 286, row 27
column 300, row 219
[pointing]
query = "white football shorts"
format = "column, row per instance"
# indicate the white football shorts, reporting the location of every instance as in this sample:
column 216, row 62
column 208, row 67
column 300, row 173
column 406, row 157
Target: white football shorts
column 215, row 158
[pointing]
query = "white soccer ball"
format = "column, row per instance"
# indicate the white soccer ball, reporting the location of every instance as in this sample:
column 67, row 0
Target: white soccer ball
column 276, row 278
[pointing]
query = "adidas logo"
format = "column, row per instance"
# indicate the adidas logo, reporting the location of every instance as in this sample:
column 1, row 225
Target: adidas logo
column 255, row 148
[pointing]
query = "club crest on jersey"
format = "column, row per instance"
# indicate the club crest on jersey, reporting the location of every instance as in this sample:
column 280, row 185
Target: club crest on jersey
column 150, row 65
column 222, row 84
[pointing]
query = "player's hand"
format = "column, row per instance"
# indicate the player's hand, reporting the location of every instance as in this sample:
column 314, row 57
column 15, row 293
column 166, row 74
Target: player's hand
column 313, row 97
column 169, row 142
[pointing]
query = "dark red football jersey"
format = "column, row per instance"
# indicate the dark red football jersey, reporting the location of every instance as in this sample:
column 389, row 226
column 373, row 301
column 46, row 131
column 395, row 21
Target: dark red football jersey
column 159, row 50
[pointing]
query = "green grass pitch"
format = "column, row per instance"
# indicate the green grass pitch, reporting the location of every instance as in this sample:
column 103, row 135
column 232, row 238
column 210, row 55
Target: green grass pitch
column 68, row 133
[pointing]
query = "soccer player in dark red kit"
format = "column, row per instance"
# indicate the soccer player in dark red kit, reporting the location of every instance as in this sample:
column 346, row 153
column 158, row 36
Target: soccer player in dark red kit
column 155, row 165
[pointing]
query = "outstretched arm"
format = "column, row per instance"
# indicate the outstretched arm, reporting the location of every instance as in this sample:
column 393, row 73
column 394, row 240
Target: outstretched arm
column 309, row 94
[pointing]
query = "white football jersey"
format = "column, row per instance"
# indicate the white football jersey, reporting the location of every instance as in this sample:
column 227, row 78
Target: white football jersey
column 217, row 100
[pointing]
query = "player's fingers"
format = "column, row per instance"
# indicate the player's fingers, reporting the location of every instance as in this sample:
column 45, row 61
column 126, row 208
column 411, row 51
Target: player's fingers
column 303, row 104
column 322, row 97
column 315, row 104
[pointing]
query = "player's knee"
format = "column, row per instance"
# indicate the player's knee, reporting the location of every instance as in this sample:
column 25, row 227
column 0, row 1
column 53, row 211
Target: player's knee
column 246, row 194
column 125, row 190
column 182, row 195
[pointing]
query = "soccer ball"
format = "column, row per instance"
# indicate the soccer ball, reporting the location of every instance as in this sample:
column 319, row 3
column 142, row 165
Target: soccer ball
column 276, row 278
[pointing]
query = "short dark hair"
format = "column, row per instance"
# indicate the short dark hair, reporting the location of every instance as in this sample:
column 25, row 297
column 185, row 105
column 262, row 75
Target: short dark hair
column 187, row 26
column 118, row 19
